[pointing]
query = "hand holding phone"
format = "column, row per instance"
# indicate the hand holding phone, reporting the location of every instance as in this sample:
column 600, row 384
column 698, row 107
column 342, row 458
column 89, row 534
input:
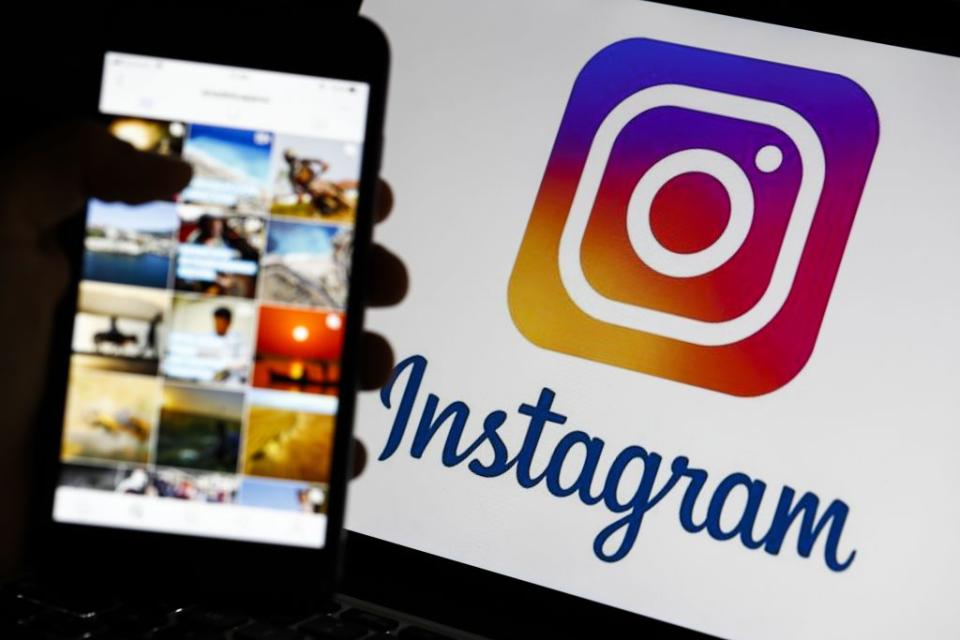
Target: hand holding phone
column 205, row 373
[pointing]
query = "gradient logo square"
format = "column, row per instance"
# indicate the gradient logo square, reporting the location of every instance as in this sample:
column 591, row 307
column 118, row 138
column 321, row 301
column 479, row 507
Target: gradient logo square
column 693, row 215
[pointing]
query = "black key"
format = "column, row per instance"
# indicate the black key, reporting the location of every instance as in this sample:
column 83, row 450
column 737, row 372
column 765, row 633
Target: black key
column 264, row 631
column 289, row 616
column 134, row 620
column 60, row 623
column 161, row 608
column 14, row 607
column 331, row 629
column 418, row 633
column 25, row 632
column 214, row 620
column 369, row 620
column 183, row 632
column 328, row 607
column 75, row 601
column 108, row 634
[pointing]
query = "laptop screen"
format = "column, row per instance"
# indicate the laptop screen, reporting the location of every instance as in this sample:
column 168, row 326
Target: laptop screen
column 681, row 334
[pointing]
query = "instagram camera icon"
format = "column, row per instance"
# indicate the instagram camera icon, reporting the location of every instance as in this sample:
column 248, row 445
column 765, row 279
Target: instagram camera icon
column 693, row 214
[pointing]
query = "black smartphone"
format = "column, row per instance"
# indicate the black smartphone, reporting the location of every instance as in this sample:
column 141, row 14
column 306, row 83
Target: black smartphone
column 203, row 388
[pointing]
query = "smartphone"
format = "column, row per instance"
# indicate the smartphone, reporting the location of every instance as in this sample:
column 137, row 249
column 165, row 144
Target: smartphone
column 203, row 403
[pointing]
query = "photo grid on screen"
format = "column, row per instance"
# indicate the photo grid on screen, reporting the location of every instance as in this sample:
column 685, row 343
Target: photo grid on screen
column 206, row 350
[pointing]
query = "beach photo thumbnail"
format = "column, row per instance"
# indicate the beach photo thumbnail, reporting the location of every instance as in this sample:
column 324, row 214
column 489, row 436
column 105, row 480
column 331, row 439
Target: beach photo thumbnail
column 199, row 428
column 110, row 416
column 299, row 350
column 289, row 435
column 315, row 178
column 307, row 264
column 210, row 340
column 231, row 167
column 155, row 136
column 130, row 244
column 282, row 495
column 119, row 328
column 218, row 253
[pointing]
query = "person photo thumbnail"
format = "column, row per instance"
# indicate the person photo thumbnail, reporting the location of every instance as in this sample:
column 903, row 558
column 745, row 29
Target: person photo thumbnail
column 119, row 328
column 307, row 264
column 218, row 253
column 130, row 244
column 154, row 136
column 315, row 178
column 180, row 484
column 299, row 350
column 199, row 428
column 289, row 435
column 231, row 168
column 282, row 495
column 210, row 341
column 110, row 416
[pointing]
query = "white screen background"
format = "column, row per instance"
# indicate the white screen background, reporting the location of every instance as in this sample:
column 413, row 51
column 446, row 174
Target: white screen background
column 477, row 93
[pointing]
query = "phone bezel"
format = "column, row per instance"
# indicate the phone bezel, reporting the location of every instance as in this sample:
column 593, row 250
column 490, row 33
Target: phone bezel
column 63, row 551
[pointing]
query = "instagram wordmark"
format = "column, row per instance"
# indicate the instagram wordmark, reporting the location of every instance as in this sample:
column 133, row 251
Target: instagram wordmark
column 693, row 214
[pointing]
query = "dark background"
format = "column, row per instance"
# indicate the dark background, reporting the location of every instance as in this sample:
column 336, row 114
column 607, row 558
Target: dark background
column 42, row 44
column 40, row 83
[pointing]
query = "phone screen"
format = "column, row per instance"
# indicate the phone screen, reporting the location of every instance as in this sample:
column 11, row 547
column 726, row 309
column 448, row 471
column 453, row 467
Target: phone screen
column 204, row 375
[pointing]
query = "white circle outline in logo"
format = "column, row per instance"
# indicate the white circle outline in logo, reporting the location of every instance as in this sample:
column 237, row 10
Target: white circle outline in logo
column 688, row 265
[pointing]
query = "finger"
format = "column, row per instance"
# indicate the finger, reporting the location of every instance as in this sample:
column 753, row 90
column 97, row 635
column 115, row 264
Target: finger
column 388, row 281
column 359, row 458
column 119, row 172
column 382, row 201
column 376, row 361
column 48, row 179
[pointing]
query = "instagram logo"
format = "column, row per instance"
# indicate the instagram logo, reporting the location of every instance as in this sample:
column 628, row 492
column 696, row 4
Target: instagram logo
column 693, row 215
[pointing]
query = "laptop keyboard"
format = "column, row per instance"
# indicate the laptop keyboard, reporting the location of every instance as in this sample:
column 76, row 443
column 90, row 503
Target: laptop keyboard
column 32, row 614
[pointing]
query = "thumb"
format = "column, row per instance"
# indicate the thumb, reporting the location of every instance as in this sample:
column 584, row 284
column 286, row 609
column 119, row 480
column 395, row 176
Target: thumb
column 118, row 171
column 48, row 179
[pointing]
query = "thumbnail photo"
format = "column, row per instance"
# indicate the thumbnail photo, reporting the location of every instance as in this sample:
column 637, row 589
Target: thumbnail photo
column 231, row 168
column 109, row 416
column 298, row 350
column 180, row 484
column 210, row 340
column 285, row 496
column 155, row 136
column 306, row 264
column 218, row 253
column 199, row 428
column 130, row 244
column 315, row 178
column 289, row 436
column 119, row 328
column 162, row 483
column 104, row 478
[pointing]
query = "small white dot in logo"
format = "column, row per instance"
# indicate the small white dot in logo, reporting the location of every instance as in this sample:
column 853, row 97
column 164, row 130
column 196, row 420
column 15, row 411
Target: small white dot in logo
column 769, row 158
